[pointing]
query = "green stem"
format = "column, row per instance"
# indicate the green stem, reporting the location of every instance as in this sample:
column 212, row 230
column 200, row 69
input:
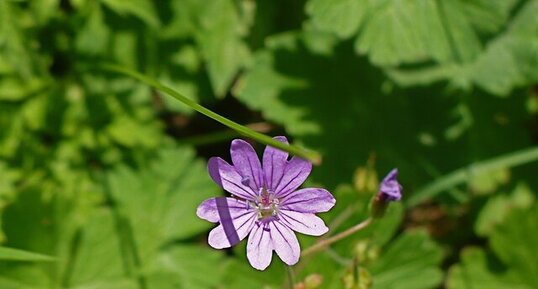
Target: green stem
column 314, row 157
column 466, row 173
column 291, row 276
column 326, row 242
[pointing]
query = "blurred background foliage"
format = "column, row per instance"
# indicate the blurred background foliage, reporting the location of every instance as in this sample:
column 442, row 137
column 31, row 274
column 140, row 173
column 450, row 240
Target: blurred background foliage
column 104, row 174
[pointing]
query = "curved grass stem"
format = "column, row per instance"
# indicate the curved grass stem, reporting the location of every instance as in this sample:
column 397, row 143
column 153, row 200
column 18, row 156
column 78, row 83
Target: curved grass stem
column 312, row 156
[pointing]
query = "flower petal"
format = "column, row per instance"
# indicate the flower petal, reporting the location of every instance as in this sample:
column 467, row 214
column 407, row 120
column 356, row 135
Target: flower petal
column 274, row 164
column 259, row 246
column 229, row 179
column 390, row 189
column 235, row 224
column 306, row 223
column 285, row 243
column 218, row 209
column 247, row 164
column 296, row 172
column 309, row 200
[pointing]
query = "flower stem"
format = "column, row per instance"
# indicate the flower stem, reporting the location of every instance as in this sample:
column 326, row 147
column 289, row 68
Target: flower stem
column 325, row 243
column 291, row 276
column 312, row 156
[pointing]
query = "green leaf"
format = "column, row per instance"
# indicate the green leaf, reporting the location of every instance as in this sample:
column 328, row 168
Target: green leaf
column 342, row 17
column 44, row 10
column 13, row 43
column 476, row 271
column 21, row 255
column 189, row 266
column 143, row 9
column 498, row 207
column 410, row 262
column 510, row 60
column 220, row 39
column 160, row 201
column 100, row 258
column 507, row 61
column 94, row 35
column 520, row 228
column 395, row 32
column 512, row 262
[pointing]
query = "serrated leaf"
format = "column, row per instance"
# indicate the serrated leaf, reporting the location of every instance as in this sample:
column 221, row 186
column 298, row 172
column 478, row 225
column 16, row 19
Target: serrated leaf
column 396, row 32
column 160, row 201
column 220, row 40
column 511, row 59
column 410, row 262
column 506, row 62
column 476, row 271
column 513, row 242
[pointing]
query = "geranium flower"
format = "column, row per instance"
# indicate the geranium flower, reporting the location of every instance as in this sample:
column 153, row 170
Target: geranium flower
column 265, row 203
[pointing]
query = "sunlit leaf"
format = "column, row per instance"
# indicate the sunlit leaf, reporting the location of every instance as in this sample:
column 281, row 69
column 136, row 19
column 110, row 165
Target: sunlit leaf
column 160, row 201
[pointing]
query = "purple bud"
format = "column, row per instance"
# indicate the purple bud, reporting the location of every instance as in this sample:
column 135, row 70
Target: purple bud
column 389, row 190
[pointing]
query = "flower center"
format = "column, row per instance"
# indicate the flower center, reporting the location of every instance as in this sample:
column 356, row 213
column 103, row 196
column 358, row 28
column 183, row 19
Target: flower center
column 266, row 204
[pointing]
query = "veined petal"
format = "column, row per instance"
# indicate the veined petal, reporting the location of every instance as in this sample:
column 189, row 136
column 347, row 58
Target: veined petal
column 295, row 173
column 309, row 200
column 247, row 164
column 274, row 164
column 259, row 246
column 229, row 179
column 285, row 242
column 235, row 224
column 221, row 209
column 306, row 223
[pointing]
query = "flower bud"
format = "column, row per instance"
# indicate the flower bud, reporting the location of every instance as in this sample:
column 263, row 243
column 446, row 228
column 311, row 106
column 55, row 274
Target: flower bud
column 389, row 190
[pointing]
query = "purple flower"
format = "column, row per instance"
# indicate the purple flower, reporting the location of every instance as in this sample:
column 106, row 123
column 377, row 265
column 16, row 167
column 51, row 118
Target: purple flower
column 390, row 189
column 266, row 204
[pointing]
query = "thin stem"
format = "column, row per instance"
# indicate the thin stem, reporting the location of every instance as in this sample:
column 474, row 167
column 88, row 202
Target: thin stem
column 466, row 173
column 312, row 156
column 324, row 243
column 291, row 276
